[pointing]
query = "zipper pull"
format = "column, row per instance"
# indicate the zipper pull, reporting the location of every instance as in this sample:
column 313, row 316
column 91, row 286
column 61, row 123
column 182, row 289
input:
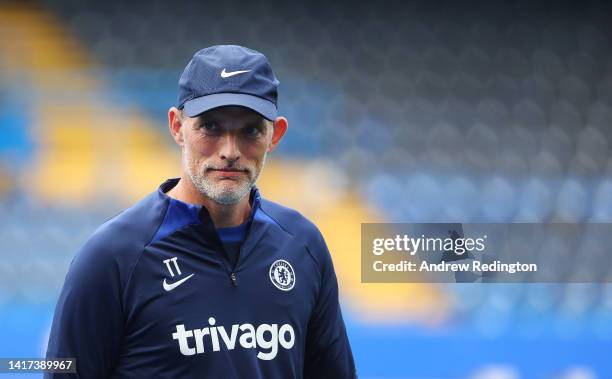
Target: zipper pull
column 234, row 279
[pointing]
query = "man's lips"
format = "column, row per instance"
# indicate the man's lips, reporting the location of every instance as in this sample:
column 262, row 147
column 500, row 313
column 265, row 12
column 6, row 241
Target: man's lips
column 230, row 172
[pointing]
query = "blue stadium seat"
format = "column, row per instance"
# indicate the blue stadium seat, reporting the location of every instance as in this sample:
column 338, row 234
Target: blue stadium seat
column 460, row 113
column 548, row 64
column 492, row 112
column 558, row 39
column 573, row 202
column 403, row 58
column 591, row 39
column 538, row 89
column 546, row 165
column 452, row 35
column 440, row 60
column 556, row 141
column 512, row 62
column 604, row 90
column 536, row 201
column 498, row 200
column 510, row 163
column 415, row 35
column 566, row 115
column 460, row 197
column 445, row 146
column 593, row 143
column 482, row 147
column 505, row 89
column 468, row 87
column 586, row 67
column 521, row 37
column 575, row 91
column 529, row 114
column 485, row 35
column 476, row 62
column 431, row 87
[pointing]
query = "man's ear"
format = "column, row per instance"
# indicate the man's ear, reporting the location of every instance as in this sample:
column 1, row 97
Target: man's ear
column 174, row 124
column 279, row 129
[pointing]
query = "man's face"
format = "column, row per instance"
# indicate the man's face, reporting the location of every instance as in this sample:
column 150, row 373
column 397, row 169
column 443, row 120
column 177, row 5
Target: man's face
column 224, row 151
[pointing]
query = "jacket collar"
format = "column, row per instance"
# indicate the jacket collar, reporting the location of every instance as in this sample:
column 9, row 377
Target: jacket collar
column 181, row 214
column 200, row 210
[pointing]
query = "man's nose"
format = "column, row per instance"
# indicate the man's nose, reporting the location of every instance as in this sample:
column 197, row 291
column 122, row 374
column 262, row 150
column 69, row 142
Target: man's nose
column 229, row 148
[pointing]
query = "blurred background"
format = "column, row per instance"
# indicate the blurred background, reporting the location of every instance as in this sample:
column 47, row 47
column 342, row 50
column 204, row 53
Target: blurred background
column 399, row 111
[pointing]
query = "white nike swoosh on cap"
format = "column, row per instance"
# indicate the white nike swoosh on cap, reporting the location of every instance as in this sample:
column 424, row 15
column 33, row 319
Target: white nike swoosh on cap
column 225, row 74
column 171, row 286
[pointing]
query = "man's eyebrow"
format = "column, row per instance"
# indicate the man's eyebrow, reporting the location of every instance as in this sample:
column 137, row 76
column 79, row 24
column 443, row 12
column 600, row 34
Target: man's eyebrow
column 202, row 119
column 258, row 122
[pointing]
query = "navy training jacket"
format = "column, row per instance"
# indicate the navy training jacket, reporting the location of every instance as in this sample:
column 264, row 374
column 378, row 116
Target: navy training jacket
column 152, row 295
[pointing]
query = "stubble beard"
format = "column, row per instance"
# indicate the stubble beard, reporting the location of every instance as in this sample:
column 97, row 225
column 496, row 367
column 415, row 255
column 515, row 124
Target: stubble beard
column 215, row 190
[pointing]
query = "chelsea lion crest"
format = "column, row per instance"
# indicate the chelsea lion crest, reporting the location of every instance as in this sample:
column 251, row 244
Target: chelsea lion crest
column 282, row 275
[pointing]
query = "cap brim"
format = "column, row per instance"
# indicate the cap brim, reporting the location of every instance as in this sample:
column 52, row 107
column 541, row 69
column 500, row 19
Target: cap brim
column 199, row 105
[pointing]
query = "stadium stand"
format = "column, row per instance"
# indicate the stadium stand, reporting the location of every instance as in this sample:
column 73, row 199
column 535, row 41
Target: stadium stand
column 412, row 112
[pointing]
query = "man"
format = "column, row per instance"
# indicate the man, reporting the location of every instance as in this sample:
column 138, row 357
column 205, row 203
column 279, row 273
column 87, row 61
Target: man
column 204, row 277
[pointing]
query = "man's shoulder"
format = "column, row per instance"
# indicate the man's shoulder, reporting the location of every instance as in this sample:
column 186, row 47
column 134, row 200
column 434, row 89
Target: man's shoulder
column 128, row 232
column 292, row 221
column 300, row 227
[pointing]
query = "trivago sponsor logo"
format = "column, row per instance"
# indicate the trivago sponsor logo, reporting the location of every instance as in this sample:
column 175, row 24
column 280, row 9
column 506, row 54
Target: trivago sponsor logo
column 265, row 337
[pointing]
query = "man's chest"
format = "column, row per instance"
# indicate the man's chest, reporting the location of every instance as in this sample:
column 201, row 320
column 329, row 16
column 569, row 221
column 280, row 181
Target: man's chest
column 186, row 297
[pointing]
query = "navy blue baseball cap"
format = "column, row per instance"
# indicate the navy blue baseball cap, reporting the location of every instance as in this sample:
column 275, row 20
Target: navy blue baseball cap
column 228, row 75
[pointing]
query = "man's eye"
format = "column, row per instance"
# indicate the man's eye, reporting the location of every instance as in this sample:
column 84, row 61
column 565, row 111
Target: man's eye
column 210, row 126
column 251, row 131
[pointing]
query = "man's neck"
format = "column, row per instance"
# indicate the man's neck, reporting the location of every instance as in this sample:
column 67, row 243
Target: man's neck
column 223, row 216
